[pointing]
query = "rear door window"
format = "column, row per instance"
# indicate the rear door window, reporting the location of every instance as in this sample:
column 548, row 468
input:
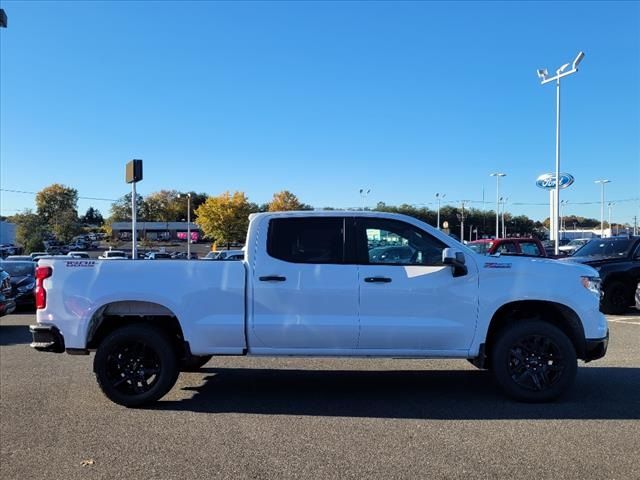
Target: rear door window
column 530, row 248
column 507, row 247
column 307, row 240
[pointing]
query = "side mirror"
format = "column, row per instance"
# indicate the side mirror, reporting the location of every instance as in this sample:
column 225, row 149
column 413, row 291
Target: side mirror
column 455, row 258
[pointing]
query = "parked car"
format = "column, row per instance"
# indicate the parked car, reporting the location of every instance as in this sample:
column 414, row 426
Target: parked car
column 393, row 254
column 211, row 255
column 308, row 287
column 23, row 281
column 158, row 256
column 35, row 255
column 18, row 258
column 571, row 247
column 78, row 255
column 617, row 259
column 530, row 247
column 7, row 302
column 227, row 254
column 113, row 255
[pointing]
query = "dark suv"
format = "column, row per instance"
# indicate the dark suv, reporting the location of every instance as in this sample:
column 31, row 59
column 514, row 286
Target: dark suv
column 617, row 259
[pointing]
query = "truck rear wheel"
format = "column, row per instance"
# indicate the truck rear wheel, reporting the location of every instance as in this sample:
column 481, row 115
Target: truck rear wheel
column 533, row 361
column 136, row 365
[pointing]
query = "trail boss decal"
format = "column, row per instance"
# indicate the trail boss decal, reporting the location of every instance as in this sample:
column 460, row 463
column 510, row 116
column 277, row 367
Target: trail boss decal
column 80, row 263
column 496, row 265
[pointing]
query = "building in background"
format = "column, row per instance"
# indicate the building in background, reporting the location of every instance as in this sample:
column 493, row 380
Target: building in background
column 156, row 231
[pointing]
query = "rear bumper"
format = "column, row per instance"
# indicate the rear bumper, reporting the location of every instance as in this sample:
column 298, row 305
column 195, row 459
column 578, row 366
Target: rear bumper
column 595, row 348
column 46, row 338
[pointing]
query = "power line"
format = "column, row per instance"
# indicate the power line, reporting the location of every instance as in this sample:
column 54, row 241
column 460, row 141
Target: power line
column 79, row 198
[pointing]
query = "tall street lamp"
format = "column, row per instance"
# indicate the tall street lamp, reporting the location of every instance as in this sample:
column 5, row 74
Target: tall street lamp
column 439, row 196
column 498, row 175
column 364, row 193
column 602, row 183
column 503, row 200
column 545, row 78
column 188, row 195
column 610, row 205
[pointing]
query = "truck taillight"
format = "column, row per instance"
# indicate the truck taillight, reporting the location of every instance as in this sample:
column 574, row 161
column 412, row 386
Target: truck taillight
column 41, row 293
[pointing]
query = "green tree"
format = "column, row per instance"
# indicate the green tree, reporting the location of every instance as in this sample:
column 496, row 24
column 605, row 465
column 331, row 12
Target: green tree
column 121, row 209
column 92, row 217
column 30, row 231
column 286, row 201
column 225, row 218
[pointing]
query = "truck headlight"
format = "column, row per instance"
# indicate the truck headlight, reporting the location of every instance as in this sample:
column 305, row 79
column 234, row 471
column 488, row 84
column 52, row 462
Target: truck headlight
column 26, row 288
column 592, row 284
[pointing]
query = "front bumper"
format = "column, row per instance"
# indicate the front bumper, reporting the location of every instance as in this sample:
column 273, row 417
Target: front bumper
column 7, row 306
column 595, row 348
column 46, row 338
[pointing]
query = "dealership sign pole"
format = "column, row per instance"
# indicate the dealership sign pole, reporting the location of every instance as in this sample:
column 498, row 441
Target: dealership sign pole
column 547, row 181
column 133, row 174
column 544, row 77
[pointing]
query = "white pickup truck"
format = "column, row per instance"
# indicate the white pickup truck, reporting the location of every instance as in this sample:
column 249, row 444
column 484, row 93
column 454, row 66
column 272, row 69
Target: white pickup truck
column 322, row 284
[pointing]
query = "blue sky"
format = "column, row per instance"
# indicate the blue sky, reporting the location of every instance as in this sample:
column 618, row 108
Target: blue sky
column 407, row 99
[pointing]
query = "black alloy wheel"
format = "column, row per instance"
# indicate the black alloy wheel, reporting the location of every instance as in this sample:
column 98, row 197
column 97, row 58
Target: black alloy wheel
column 533, row 361
column 136, row 365
column 616, row 298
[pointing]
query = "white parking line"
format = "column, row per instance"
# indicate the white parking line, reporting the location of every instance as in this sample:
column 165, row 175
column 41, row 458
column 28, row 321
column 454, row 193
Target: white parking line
column 623, row 321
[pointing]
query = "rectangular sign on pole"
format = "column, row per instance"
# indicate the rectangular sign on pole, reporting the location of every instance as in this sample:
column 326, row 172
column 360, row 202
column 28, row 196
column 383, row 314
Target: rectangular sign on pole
column 133, row 172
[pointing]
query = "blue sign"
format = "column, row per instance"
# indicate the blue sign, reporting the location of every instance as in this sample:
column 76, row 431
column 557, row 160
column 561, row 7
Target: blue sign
column 547, row 181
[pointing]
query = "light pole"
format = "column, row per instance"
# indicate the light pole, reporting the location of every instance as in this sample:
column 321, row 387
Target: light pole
column 364, row 193
column 503, row 200
column 545, row 78
column 610, row 205
column 563, row 203
column 498, row 175
column 188, row 195
column 439, row 196
column 602, row 183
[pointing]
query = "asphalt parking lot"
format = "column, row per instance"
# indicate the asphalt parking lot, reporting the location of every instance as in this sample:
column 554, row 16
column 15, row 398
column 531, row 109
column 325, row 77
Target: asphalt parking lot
column 298, row 418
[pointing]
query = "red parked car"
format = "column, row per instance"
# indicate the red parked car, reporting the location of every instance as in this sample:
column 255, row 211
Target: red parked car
column 530, row 247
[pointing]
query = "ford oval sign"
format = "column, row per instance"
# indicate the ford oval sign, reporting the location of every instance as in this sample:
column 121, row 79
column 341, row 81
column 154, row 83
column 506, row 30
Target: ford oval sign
column 547, row 181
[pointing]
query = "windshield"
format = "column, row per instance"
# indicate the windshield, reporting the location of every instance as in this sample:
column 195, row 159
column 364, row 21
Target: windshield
column 481, row 247
column 577, row 242
column 605, row 248
column 18, row 269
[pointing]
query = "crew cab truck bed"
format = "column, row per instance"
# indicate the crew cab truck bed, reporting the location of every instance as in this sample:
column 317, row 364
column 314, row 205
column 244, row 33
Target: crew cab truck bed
column 324, row 284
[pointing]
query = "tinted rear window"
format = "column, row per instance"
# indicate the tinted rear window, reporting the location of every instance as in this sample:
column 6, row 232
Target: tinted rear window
column 306, row 240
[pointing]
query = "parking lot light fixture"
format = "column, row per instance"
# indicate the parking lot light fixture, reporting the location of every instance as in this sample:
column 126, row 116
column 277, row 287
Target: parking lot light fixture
column 544, row 77
column 602, row 183
column 188, row 195
column 498, row 175
column 364, row 193
column 439, row 197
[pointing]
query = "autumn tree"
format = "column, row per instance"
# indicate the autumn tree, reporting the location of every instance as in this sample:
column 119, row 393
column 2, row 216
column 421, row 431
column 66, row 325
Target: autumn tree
column 57, row 206
column 225, row 218
column 286, row 201
column 30, row 230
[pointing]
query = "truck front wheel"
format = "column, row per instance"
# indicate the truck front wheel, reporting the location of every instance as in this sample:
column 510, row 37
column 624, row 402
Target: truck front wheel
column 533, row 361
column 136, row 365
